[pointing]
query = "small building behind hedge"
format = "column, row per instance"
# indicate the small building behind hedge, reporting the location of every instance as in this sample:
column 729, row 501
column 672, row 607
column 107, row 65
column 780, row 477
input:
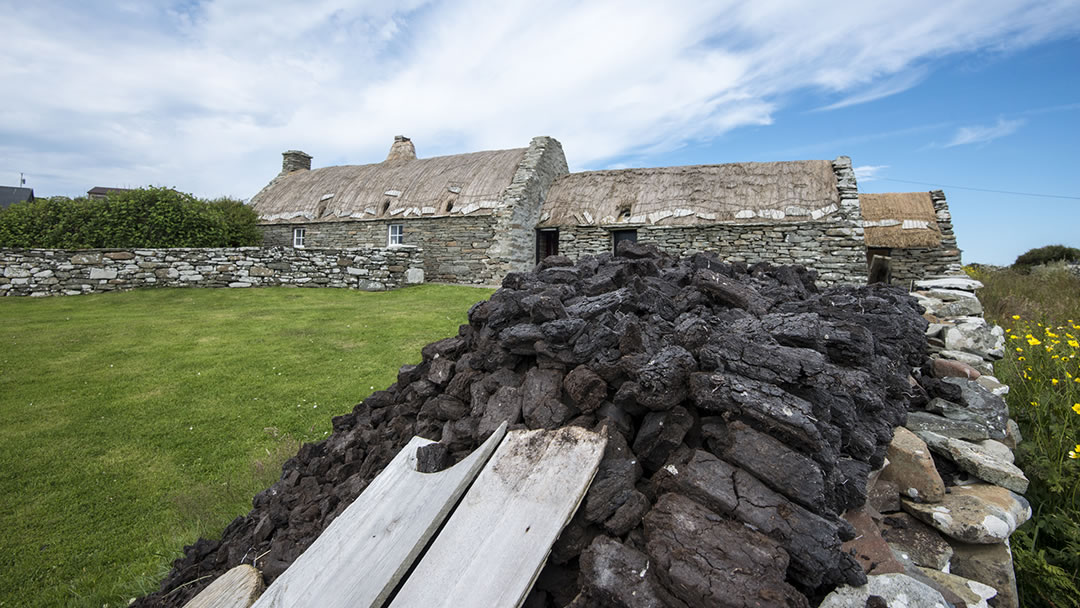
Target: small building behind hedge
column 9, row 195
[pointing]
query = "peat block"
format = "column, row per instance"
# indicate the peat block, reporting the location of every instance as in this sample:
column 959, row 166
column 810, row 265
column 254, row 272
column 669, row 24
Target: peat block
column 745, row 409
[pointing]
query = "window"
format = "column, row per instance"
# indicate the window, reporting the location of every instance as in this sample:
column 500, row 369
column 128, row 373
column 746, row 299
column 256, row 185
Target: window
column 397, row 234
column 298, row 238
column 618, row 236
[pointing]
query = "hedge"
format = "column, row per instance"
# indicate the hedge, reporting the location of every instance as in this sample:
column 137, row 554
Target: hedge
column 144, row 217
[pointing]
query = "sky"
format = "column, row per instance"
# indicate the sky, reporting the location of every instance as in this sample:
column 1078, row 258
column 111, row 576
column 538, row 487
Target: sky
column 980, row 98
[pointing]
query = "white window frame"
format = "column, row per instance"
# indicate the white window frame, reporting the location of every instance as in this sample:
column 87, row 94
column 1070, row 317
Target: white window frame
column 298, row 238
column 395, row 238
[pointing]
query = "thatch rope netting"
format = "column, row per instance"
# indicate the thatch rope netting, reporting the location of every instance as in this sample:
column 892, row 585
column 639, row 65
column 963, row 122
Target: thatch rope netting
column 397, row 188
column 900, row 220
column 791, row 191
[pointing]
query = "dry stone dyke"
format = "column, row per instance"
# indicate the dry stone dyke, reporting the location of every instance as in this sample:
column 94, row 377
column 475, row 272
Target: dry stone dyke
column 45, row 272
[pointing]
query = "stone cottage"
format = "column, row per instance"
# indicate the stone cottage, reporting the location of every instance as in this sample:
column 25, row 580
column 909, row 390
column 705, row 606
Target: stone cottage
column 799, row 212
column 472, row 215
column 914, row 230
column 481, row 215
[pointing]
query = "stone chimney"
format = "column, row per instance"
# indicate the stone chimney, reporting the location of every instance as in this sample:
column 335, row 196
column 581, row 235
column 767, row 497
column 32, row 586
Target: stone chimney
column 295, row 160
column 402, row 149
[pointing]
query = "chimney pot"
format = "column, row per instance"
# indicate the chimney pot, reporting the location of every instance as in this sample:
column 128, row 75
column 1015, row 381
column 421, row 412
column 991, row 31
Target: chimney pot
column 402, row 149
column 295, row 160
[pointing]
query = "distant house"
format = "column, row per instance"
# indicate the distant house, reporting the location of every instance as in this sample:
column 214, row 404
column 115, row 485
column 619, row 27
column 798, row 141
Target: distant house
column 914, row 229
column 13, row 194
column 103, row 192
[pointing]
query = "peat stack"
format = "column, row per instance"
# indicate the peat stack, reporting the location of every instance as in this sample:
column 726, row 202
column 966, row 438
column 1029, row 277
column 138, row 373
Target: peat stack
column 744, row 409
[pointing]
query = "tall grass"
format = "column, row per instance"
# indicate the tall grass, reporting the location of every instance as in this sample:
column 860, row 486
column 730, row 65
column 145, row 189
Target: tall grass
column 1040, row 312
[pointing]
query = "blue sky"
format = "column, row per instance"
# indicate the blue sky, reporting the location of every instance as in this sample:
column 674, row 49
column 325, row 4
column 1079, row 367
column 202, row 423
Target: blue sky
column 204, row 96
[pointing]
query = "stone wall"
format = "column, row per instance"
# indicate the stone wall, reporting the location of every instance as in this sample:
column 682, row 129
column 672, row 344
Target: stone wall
column 514, row 249
column 42, row 272
column 452, row 249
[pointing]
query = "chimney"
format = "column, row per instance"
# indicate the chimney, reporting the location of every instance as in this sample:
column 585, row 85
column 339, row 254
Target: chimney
column 295, row 160
column 402, row 149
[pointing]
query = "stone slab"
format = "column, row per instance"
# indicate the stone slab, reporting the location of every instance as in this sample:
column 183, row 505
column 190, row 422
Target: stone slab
column 979, row 513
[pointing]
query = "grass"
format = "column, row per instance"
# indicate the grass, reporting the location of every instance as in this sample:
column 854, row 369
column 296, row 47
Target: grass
column 133, row 423
column 1040, row 312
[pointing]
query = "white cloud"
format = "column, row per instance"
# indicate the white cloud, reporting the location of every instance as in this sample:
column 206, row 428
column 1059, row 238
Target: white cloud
column 890, row 86
column 868, row 173
column 979, row 134
column 204, row 96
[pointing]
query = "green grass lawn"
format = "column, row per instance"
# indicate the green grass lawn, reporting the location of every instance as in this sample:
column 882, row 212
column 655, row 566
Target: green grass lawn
column 133, row 423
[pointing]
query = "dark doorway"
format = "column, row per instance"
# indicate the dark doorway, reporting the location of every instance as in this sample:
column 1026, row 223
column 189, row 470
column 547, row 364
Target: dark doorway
column 618, row 236
column 547, row 243
column 872, row 251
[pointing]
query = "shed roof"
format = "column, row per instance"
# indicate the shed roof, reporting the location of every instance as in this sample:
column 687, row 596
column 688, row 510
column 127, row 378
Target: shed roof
column 737, row 192
column 399, row 188
column 10, row 195
column 104, row 190
column 900, row 220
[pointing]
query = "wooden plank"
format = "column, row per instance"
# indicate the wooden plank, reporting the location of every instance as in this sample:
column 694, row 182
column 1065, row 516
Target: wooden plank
column 360, row 557
column 494, row 545
column 237, row 588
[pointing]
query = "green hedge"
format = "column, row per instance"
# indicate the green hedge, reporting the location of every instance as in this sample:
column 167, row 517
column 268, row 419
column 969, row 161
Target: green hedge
column 144, row 217
column 1045, row 255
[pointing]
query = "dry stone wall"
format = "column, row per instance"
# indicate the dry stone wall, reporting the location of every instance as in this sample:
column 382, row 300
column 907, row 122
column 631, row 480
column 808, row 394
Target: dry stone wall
column 452, row 249
column 514, row 249
column 44, row 272
column 830, row 248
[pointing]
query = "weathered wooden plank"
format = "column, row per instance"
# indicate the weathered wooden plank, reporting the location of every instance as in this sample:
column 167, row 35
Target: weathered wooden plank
column 494, row 545
column 360, row 557
column 237, row 588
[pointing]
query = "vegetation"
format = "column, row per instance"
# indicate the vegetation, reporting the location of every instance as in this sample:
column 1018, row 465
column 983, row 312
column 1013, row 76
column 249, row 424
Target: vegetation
column 144, row 217
column 135, row 422
column 1046, row 255
column 1041, row 316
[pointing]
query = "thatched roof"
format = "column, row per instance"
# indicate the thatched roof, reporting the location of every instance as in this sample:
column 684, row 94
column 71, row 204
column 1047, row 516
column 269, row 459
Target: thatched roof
column 395, row 188
column 738, row 192
column 900, row 220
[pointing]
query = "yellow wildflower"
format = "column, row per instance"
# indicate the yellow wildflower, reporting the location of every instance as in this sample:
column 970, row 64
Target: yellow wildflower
column 1014, row 337
column 1021, row 358
column 1035, row 403
column 1017, row 318
column 1032, row 340
column 1074, row 344
column 1076, row 408
column 1054, row 381
column 1050, row 333
column 1019, row 350
column 1073, row 452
